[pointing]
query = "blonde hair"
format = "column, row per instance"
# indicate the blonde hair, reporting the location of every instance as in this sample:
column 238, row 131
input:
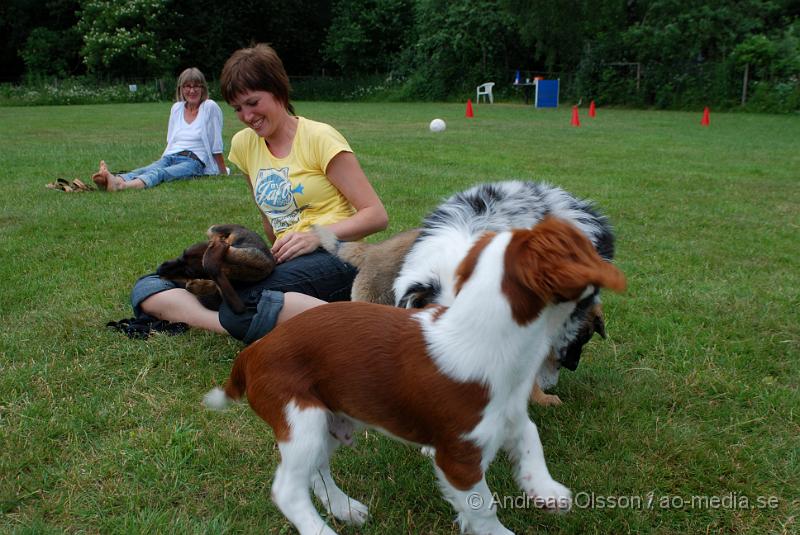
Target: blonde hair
column 257, row 68
column 189, row 76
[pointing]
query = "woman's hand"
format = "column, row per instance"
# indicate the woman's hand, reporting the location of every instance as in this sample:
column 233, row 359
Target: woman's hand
column 294, row 244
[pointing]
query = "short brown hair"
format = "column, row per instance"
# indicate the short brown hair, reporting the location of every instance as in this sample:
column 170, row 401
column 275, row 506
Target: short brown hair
column 192, row 75
column 257, row 68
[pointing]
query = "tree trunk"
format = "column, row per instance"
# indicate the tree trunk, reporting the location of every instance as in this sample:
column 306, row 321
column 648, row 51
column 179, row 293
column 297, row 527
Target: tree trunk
column 744, row 83
column 638, row 76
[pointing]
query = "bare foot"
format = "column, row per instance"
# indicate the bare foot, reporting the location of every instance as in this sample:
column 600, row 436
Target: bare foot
column 114, row 183
column 99, row 177
column 106, row 180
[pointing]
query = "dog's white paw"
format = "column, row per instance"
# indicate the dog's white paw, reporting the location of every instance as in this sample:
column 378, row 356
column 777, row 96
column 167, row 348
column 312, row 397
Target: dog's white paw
column 350, row 511
column 484, row 526
column 551, row 496
column 428, row 451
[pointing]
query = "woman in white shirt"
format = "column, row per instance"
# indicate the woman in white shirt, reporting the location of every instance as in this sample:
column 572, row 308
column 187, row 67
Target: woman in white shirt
column 194, row 141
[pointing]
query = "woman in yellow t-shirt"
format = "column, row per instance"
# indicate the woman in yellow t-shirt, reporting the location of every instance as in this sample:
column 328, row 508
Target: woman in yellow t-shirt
column 301, row 173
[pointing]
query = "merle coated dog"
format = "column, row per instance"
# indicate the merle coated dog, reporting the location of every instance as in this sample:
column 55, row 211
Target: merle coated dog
column 428, row 271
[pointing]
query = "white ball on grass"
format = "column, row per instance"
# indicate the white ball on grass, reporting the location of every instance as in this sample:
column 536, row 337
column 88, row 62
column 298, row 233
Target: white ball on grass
column 437, row 125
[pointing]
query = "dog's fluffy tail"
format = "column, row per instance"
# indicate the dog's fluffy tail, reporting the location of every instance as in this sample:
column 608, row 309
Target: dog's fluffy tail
column 354, row 253
column 218, row 399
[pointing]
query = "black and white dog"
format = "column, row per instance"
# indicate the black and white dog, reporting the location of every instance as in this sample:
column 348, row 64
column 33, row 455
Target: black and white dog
column 428, row 271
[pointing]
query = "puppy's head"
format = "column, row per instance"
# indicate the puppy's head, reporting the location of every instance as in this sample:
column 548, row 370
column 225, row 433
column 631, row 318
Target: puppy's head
column 578, row 329
column 553, row 262
column 187, row 266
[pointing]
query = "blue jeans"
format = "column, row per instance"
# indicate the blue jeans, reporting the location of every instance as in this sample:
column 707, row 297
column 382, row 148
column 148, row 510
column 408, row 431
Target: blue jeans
column 168, row 168
column 318, row 274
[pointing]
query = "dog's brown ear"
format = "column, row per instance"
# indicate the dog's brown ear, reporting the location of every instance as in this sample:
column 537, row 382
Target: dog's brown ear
column 214, row 256
column 213, row 262
column 556, row 261
column 572, row 278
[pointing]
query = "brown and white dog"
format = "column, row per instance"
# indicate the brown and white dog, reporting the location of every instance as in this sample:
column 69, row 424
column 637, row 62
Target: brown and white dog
column 448, row 233
column 420, row 264
column 456, row 378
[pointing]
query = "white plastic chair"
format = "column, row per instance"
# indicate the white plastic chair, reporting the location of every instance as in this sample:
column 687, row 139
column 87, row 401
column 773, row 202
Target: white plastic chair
column 486, row 91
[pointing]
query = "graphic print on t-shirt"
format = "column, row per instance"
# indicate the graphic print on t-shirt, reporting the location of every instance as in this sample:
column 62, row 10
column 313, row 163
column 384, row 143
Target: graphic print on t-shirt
column 275, row 196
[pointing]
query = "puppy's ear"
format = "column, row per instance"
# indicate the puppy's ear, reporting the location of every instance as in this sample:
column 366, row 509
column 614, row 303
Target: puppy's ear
column 214, row 256
column 571, row 279
column 557, row 262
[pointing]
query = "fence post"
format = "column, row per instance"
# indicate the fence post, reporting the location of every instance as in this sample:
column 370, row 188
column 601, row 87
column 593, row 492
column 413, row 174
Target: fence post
column 638, row 75
column 744, row 83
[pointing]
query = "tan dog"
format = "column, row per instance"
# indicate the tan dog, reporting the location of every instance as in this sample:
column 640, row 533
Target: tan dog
column 378, row 263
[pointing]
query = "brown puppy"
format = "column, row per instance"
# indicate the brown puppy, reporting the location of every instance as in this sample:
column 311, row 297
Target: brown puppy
column 232, row 253
column 443, row 377
column 378, row 263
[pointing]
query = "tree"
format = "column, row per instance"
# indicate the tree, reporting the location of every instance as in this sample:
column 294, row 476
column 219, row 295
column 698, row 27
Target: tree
column 554, row 30
column 39, row 38
column 457, row 46
column 685, row 47
column 127, row 37
column 50, row 52
column 211, row 31
column 381, row 27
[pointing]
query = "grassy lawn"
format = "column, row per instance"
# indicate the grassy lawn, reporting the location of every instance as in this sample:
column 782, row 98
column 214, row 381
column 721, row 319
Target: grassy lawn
column 694, row 394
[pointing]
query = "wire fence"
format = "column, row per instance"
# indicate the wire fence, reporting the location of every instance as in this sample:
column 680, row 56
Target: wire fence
column 613, row 83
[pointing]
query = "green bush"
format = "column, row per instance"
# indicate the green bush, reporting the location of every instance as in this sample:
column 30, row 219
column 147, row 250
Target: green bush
column 781, row 97
column 50, row 53
column 365, row 88
column 80, row 91
column 718, row 86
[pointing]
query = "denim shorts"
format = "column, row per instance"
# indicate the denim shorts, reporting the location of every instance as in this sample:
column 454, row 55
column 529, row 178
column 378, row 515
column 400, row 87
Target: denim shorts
column 166, row 169
column 318, row 274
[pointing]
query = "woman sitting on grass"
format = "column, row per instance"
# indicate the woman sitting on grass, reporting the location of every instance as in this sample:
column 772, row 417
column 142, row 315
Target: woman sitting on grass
column 194, row 141
column 301, row 173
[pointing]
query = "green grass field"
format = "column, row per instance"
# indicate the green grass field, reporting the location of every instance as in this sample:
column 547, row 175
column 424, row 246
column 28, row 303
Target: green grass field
column 694, row 394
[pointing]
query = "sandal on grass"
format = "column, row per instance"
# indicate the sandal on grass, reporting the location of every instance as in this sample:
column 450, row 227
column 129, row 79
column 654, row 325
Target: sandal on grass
column 69, row 186
column 142, row 328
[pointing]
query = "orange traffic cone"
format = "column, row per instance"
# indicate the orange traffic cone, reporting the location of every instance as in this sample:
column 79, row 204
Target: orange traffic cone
column 706, row 116
column 575, row 119
column 592, row 112
column 469, row 108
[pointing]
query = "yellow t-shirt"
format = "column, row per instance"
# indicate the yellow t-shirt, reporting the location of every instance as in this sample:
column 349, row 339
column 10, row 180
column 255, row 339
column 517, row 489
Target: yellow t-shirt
column 293, row 192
